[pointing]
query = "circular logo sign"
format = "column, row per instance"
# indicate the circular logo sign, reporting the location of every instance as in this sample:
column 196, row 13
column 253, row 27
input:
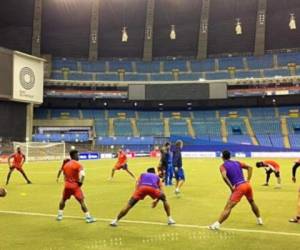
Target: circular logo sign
column 27, row 78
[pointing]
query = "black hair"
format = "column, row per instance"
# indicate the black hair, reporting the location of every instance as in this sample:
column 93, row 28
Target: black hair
column 259, row 164
column 73, row 153
column 167, row 144
column 151, row 170
column 226, row 155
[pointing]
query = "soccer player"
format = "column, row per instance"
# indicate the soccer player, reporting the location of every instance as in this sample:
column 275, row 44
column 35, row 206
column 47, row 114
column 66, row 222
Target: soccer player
column 177, row 164
column 271, row 167
column 16, row 161
column 162, row 166
column 233, row 177
column 149, row 184
column 121, row 164
column 169, row 161
column 74, row 177
column 297, row 218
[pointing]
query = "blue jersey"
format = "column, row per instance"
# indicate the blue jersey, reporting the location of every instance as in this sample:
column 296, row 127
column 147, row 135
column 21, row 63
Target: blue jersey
column 177, row 158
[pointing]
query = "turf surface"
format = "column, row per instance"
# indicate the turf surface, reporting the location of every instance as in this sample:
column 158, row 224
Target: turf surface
column 202, row 199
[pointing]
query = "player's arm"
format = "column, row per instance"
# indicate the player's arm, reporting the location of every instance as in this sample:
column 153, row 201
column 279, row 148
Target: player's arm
column 58, row 174
column 249, row 170
column 294, row 171
column 23, row 160
column 225, row 178
column 81, row 176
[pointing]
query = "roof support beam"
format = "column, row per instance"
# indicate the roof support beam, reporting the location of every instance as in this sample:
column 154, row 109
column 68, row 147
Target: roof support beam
column 260, row 35
column 93, row 46
column 36, row 29
column 203, row 31
column 148, row 39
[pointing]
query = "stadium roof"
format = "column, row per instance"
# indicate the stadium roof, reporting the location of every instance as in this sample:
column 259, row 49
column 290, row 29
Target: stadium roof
column 66, row 25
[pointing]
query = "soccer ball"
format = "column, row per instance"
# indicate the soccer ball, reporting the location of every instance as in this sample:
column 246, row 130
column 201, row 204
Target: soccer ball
column 3, row 192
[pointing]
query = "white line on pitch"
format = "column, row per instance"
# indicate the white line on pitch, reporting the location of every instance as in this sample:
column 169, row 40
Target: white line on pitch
column 156, row 223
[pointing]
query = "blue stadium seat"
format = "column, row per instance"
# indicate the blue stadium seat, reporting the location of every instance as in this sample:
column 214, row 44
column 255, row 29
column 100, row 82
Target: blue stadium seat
column 263, row 62
column 40, row 113
column 135, row 77
column 276, row 72
column 175, row 64
column 123, row 128
column 150, row 128
column 285, row 58
column 57, row 75
column 98, row 66
column 149, row 115
column 237, row 111
column 264, row 140
column 64, row 63
column 294, row 141
column 148, row 67
column 236, row 62
column 203, row 66
column 65, row 113
column 239, row 139
column 120, row 65
column 205, row 115
column 178, row 127
column 162, row 77
column 114, row 113
column 236, row 126
column 217, row 75
column 207, row 128
column 262, row 112
column 247, row 74
column 101, row 127
column 190, row 76
column 108, row 77
column 80, row 76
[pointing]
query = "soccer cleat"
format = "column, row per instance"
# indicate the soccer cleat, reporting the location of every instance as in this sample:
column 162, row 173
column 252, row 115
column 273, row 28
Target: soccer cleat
column 260, row 221
column 171, row 221
column 90, row 219
column 177, row 191
column 278, row 186
column 114, row 223
column 29, row 182
column 214, row 226
column 295, row 220
column 265, row 185
column 59, row 217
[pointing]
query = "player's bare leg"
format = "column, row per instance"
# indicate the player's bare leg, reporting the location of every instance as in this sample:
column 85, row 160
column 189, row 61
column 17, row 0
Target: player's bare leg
column 166, row 208
column 268, row 175
column 256, row 212
column 130, row 173
column 277, row 174
column 224, row 215
column 88, row 217
column 9, row 175
column 61, row 207
column 112, row 174
column 124, row 211
column 178, row 186
column 25, row 176
column 297, row 218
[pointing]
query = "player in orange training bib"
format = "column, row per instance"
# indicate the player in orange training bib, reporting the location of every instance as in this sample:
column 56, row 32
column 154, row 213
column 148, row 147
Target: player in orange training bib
column 16, row 161
column 74, row 176
column 121, row 164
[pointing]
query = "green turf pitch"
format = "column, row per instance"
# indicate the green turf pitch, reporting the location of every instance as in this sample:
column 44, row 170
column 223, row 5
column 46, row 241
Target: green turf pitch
column 200, row 203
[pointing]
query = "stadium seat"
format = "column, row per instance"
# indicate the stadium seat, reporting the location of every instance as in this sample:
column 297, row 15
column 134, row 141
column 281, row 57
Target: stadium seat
column 115, row 66
column 216, row 75
column 162, row 77
column 236, row 62
column 285, row 58
column 107, row 77
column 175, row 64
column 135, row 77
column 241, row 74
column 148, row 67
column 263, row 62
column 98, row 66
column 203, row 66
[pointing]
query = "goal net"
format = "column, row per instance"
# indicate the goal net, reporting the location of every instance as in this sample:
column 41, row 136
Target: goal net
column 42, row 151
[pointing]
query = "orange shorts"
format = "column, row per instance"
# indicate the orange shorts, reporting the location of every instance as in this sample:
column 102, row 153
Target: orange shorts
column 121, row 166
column 241, row 190
column 19, row 168
column 73, row 191
column 142, row 191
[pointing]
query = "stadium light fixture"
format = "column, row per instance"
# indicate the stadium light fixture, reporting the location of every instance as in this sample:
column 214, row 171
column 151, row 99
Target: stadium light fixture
column 238, row 27
column 173, row 33
column 124, row 35
column 292, row 23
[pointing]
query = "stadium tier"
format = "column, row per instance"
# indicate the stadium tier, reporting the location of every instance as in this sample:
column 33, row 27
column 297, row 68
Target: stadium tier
column 270, row 126
column 274, row 65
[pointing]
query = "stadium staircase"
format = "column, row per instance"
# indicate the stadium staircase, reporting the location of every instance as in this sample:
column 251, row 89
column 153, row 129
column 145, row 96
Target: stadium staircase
column 250, row 131
column 166, row 127
column 111, row 129
column 223, row 130
column 285, row 132
column 249, row 113
column 190, row 127
column 134, row 127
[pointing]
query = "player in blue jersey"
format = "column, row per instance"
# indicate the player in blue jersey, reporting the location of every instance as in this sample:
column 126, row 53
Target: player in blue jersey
column 177, row 165
column 169, row 160
column 232, row 173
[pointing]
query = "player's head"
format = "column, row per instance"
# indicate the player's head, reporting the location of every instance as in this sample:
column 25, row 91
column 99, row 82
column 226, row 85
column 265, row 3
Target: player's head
column 226, row 155
column 74, row 155
column 3, row 192
column 179, row 144
column 19, row 149
column 167, row 145
column 151, row 170
column 120, row 150
column 259, row 164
